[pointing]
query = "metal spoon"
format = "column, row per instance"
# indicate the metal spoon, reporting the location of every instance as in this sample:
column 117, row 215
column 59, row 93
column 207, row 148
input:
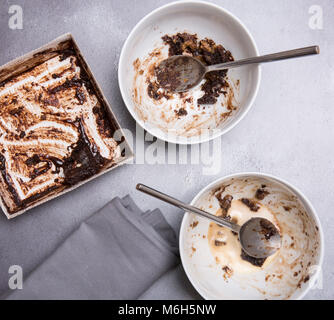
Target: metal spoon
column 181, row 73
column 259, row 237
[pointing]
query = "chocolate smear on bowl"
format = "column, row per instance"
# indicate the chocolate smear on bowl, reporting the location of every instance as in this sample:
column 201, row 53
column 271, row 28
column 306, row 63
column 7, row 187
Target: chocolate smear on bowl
column 194, row 224
column 261, row 193
column 225, row 203
column 153, row 90
column 252, row 205
column 258, row 262
column 228, row 272
column 181, row 112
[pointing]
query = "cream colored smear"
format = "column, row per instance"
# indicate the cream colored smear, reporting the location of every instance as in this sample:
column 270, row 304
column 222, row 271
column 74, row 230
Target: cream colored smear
column 225, row 245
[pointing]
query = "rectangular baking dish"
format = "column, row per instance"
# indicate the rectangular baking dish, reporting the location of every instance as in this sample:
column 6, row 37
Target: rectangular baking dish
column 38, row 56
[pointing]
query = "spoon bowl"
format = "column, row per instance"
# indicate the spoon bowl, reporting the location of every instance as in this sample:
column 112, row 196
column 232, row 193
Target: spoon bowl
column 180, row 73
column 259, row 238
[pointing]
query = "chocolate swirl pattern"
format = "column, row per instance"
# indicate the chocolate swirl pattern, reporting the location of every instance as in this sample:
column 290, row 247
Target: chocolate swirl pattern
column 53, row 132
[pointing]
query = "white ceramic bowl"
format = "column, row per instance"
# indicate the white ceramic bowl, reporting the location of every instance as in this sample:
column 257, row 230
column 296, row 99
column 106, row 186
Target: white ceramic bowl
column 206, row 274
column 206, row 20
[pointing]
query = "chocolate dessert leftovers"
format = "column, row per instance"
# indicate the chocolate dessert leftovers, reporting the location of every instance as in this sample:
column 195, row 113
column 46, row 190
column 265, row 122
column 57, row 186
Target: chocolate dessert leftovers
column 207, row 106
column 225, row 204
column 54, row 132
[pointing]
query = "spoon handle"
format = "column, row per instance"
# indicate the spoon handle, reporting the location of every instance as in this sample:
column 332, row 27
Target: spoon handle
column 295, row 53
column 164, row 197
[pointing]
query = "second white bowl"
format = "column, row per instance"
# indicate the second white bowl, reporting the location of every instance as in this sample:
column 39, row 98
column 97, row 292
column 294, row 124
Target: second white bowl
column 289, row 275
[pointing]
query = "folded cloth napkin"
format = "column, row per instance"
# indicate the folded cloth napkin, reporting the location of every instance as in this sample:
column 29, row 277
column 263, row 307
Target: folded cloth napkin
column 119, row 252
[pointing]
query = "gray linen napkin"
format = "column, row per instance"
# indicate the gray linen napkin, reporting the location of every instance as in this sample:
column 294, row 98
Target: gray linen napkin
column 119, row 252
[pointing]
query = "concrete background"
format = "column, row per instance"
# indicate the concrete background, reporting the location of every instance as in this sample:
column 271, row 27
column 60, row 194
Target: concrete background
column 288, row 132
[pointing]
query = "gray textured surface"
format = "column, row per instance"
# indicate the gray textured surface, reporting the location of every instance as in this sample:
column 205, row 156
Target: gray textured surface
column 288, row 132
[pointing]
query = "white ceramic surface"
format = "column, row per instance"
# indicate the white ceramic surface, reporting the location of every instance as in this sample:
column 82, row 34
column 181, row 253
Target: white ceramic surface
column 206, row 275
column 206, row 20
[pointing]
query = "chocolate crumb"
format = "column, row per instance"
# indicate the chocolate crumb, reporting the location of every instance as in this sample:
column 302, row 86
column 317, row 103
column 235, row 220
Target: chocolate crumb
column 194, row 224
column 252, row 205
column 228, row 272
column 224, row 203
column 181, row 112
column 219, row 243
column 261, row 193
column 226, row 268
column 152, row 91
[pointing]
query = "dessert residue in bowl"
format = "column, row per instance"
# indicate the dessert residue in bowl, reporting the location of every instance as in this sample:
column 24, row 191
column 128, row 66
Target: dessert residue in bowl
column 224, row 243
column 188, row 113
column 213, row 254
